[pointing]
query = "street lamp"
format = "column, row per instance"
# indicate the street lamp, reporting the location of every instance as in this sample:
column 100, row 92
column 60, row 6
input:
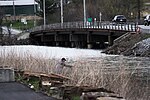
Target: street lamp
column 100, row 17
column 14, row 10
column 84, row 8
column 139, row 9
column 62, row 16
column 44, row 13
column 34, row 14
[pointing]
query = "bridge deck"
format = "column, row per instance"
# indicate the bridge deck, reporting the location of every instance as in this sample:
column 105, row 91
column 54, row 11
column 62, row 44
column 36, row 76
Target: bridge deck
column 79, row 34
column 130, row 27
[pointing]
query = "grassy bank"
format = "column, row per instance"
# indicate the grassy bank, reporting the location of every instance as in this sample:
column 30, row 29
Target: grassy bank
column 20, row 25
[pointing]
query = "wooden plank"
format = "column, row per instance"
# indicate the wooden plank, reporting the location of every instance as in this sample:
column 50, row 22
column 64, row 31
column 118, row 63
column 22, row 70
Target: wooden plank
column 27, row 73
column 49, row 83
column 61, row 76
column 40, row 74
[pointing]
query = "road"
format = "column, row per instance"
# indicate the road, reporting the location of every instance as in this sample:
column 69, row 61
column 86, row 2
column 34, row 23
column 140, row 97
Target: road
column 144, row 29
column 17, row 91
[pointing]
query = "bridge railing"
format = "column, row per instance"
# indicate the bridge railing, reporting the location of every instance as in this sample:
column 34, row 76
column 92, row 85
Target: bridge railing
column 87, row 25
column 145, row 30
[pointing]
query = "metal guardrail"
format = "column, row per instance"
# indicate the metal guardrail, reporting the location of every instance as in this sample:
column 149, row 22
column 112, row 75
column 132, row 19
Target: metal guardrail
column 92, row 25
column 145, row 31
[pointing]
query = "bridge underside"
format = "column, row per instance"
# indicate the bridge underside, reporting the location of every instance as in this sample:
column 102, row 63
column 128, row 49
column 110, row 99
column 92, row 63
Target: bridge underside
column 79, row 39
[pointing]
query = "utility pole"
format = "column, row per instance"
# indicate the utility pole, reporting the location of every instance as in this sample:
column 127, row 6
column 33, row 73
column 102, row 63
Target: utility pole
column 14, row 10
column 34, row 14
column 139, row 9
column 62, row 16
column 44, row 13
column 100, row 17
column 84, row 8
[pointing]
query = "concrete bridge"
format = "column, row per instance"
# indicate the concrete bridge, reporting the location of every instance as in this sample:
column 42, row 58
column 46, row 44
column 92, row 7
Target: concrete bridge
column 79, row 34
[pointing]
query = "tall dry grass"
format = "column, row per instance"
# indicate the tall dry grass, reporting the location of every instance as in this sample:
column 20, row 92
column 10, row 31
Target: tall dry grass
column 86, row 72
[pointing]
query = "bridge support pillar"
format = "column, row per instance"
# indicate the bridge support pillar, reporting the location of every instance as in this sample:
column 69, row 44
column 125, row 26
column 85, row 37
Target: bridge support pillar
column 72, row 44
column 56, row 43
column 56, row 39
column 110, row 40
column 42, row 37
column 89, row 37
column 89, row 46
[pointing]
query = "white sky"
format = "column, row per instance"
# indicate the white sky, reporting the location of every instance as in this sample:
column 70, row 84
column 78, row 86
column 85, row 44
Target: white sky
column 50, row 52
column 17, row 2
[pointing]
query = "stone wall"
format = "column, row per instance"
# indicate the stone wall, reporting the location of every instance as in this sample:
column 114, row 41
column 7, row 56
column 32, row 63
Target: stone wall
column 6, row 75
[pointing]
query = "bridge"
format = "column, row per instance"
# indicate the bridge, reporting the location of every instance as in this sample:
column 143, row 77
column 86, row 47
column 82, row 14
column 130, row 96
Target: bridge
column 79, row 34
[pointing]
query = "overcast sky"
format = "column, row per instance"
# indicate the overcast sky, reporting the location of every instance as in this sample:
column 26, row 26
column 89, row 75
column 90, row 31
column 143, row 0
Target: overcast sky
column 17, row 2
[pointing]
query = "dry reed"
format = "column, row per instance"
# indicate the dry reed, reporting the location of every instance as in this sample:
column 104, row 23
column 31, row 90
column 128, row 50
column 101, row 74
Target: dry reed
column 86, row 72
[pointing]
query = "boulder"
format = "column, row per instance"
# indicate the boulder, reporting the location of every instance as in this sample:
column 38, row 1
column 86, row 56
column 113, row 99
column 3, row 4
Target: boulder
column 142, row 48
column 108, row 98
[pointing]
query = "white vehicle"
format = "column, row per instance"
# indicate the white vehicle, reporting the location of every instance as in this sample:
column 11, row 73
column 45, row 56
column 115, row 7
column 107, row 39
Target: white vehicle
column 147, row 20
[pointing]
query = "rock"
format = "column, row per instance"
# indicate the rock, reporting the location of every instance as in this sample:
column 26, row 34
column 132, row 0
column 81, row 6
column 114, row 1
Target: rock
column 142, row 48
column 100, row 96
column 108, row 98
column 131, row 45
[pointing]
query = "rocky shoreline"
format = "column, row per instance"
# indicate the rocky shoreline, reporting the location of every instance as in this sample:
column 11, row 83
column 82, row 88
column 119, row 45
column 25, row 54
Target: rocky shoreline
column 131, row 44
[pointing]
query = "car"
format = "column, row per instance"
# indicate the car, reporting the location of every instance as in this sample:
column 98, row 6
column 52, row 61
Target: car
column 119, row 19
column 147, row 20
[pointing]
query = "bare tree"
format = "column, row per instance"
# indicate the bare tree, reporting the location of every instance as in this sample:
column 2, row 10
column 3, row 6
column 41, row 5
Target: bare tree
column 1, row 20
column 108, row 8
column 5, row 39
column 73, row 11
